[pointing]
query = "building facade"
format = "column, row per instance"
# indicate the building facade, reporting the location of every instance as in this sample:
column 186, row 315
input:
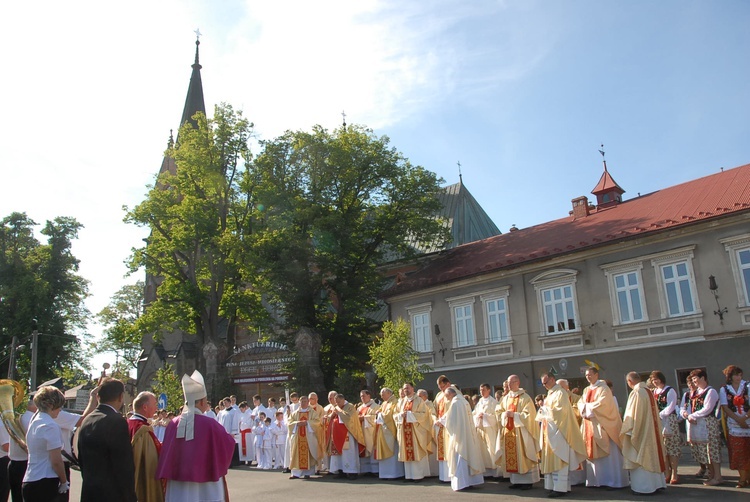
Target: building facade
column 660, row 281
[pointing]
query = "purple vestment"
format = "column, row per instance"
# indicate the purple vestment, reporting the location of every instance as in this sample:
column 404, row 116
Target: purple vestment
column 204, row 459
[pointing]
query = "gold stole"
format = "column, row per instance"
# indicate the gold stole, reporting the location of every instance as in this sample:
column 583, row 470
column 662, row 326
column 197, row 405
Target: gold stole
column 657, row 426
column 304, row 448
column 589, row 428
column 408, row 435
column 511, row 453
column 441, row 435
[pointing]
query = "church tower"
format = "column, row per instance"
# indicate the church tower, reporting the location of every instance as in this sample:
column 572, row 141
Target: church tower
column 177, row 348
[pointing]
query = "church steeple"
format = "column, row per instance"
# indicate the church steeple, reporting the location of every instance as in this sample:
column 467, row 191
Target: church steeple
column 194, row 101
column 607, row 191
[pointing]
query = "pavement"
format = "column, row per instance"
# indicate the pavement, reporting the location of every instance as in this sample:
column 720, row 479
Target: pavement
column 250, row 484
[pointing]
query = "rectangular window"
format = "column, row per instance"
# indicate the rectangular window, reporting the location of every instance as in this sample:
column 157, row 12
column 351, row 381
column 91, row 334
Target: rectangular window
column 420, row 328
column 743, row 260
column 559, row 309
column 497, row 320
column 464, row 325
column 678, row 288
column 628, row 292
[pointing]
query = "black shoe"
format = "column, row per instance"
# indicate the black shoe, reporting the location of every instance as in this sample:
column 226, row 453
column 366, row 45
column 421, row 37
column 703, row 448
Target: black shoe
column 527, row 486
column 306, row 476
column 286, row 471
column 553, row 494
column 351, row 476
column 340, row 475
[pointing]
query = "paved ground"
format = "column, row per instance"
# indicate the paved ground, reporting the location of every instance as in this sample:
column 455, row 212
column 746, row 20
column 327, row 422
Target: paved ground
column 250, row 484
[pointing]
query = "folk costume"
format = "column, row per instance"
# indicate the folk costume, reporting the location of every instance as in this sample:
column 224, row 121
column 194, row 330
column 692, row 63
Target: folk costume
column 703, row 428
column 196, row 452
column 642, row 445
column 146, row 448
column 414, row 436
column 561, row 443
column 368, row 413
column 666, row 401
column 463, row 449
column 304, row 442
column 346, row 438
column 518, row 438
column 385, row 446
column 738, row 439
column 486, row 424
column 601, row 432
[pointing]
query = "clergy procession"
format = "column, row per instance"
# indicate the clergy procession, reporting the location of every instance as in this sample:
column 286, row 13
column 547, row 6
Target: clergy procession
column 554, row 441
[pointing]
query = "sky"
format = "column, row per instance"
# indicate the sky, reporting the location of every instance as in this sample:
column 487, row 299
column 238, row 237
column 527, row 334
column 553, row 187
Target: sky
column 521, row 93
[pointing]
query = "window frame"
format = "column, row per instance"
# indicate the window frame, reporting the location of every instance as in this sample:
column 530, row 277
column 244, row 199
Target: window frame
column 462, row 302
column 733, row 246
column 419, row 310
column 612, row 271
column 672, row 258
column 553, row 279
column 491, row 296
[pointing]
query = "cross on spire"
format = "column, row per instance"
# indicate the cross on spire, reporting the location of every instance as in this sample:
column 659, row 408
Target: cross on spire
column 343, row 115
column 603, row 159
column 197, row 34
column 460, row 176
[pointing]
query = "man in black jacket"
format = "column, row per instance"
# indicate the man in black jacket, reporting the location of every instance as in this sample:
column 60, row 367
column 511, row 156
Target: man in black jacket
column 104, row 450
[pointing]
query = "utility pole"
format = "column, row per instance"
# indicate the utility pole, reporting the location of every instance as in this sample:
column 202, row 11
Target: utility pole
column 34, row 353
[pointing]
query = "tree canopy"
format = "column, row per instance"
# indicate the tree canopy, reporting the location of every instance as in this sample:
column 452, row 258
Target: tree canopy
column 40, row 281
column 337, row 206
column 121, row 335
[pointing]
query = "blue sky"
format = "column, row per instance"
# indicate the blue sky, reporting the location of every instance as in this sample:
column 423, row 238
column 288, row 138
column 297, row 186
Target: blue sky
column 522, row 93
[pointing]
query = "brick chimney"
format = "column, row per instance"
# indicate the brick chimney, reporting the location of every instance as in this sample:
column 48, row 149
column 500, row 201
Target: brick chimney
column 580, row 207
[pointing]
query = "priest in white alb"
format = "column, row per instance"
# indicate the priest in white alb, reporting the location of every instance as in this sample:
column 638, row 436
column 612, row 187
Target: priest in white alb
column 463, row 450
column 385, row 446
column 518, row 437
column 642, row 444
column 563, row 449
column 601, row 432
column 485, row 421
column 368, row 412
column 414, row 435
column 346, row 441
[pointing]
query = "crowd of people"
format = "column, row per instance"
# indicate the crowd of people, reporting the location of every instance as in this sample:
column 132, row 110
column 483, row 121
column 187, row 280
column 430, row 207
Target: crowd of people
column 563, row 438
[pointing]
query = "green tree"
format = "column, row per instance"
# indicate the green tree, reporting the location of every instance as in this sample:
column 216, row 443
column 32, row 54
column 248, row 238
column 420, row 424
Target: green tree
column 120, row 319
column 167, row 382
column 393, row 358
column 201, row 218
column 336, row 205
column 40, row 281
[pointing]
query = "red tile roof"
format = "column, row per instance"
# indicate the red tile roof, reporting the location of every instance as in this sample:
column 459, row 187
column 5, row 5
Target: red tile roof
column 713, row 196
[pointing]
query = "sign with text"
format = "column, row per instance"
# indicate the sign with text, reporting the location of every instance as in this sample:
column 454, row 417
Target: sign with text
column 260, row 362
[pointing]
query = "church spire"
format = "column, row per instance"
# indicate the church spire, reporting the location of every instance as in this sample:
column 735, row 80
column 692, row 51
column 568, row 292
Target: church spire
column 194, row 101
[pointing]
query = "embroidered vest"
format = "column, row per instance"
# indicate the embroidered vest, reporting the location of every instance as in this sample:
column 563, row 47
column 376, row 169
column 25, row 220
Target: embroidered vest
column 741, row 399
column 661, row 399
column 698, row 402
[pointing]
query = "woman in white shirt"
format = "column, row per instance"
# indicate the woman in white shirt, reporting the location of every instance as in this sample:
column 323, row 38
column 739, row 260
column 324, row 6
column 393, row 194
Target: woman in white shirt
column 45, row 473
column 666, row 400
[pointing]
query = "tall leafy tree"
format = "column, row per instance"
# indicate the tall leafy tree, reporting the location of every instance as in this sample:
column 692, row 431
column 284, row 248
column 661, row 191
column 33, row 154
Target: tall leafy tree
column 201, row 218
column 337, row 205
column 121, row 335
column 40, row 281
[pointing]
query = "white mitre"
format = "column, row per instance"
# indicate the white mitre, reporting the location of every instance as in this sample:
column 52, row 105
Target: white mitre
column 194, row 388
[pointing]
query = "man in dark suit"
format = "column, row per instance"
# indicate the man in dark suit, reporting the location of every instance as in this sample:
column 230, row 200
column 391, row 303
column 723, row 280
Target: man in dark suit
column 104, row 450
